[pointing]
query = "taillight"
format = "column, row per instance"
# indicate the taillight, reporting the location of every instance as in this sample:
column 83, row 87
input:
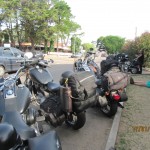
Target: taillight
column 116, row 97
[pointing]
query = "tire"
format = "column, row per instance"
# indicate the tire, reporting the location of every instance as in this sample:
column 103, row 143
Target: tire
column 78, row 122
column 75, row 68
column 2, row 71
column 134, row 70
column 110, row 109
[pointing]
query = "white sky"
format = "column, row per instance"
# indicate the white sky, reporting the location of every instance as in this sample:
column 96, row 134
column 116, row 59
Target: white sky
column 111, row 17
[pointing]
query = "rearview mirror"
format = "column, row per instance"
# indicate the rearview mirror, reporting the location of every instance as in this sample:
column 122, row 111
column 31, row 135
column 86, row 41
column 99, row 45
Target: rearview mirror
column 28, row 55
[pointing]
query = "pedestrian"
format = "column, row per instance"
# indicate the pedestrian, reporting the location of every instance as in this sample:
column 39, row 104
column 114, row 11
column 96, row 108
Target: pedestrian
column 140, row 83
column 140, row 60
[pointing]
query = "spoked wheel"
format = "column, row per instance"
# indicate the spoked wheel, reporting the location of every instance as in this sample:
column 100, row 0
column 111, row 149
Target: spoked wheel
column 76, row 120
column 2, row 71
column 110, row 109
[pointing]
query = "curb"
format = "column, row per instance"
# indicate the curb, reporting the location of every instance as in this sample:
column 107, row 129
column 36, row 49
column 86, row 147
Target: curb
column 110, row 145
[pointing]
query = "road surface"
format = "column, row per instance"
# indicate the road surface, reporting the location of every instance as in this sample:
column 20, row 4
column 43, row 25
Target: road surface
column 94, row 135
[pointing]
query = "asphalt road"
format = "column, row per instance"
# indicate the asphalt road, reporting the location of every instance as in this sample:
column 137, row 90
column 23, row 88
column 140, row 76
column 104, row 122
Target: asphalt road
column 94, row 135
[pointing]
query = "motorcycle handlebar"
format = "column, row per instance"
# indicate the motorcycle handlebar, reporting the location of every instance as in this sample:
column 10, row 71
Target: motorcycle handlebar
column 29, row 62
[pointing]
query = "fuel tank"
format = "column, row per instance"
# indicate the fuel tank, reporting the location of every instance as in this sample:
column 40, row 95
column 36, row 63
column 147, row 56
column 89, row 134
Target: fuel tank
column 19, row 102
column 42, row 76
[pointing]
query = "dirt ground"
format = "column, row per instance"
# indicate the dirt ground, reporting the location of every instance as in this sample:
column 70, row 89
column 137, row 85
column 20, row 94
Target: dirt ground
column 134, row 129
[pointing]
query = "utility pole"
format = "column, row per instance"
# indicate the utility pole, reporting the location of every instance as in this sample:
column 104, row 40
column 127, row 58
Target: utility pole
column 135, row 32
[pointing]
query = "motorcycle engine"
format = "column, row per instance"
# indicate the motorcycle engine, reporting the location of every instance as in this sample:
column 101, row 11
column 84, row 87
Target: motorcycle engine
column 52, row 107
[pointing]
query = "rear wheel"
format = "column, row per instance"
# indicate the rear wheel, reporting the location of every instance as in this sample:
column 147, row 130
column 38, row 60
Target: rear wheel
column 77, row 120
column 2, row 71
column 110, row 109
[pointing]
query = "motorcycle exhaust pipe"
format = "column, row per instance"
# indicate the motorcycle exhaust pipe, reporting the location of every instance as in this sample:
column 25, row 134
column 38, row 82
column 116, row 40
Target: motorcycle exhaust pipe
column 66, row 100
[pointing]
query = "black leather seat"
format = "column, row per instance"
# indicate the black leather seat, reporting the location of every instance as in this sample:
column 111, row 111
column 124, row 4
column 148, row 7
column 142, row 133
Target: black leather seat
column 15, row 119
column 48, row 141
column 67, row 74
column 53, row 86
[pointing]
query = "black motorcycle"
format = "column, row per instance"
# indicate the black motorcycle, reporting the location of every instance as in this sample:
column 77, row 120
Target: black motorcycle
column 55, row 100
column 126, row 65
column 108, row 99
column 18, row 128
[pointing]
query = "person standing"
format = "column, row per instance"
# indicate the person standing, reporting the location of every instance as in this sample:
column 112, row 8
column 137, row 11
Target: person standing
column 140, row 60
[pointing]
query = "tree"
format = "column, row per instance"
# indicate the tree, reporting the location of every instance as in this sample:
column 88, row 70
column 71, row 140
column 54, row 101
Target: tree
column 87, row 46
column 113, row 44
column 75, row 44
column 29, row 21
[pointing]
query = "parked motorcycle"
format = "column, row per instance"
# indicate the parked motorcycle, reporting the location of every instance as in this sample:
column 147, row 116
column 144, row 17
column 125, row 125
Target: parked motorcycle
column 126, row 65
column 55, row 100
column 18, row 128
column 108, row 99
column 87, row 64
column 112, row 87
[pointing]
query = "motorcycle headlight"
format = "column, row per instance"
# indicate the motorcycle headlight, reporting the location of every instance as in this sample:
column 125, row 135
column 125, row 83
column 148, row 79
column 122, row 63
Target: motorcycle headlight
column 10, row 92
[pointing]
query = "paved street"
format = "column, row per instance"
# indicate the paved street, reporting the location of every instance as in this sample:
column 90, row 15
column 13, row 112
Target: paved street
column 93, row 136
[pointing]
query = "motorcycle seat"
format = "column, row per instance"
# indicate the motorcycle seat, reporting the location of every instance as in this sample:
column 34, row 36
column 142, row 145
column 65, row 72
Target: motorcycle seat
column 15, row 119
column 98, row 82
column 67, row 74
column 53, row 86
column 44, row 142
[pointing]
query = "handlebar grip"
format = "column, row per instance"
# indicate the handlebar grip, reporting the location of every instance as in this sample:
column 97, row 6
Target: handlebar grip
column 42, row 63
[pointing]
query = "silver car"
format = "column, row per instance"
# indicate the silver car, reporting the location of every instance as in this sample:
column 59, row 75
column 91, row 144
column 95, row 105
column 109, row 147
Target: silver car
column 8, row 59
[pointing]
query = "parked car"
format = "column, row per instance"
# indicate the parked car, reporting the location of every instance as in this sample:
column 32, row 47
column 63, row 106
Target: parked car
column 8, row 59
column 76, row 55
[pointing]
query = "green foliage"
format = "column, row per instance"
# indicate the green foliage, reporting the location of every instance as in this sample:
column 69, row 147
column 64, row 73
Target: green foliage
column 113, row 44
column 140, row 43
column 31, row 21
column 51, row 46
column 87, row 46
column 75, row 44
column 130, row 48
column 6, row 38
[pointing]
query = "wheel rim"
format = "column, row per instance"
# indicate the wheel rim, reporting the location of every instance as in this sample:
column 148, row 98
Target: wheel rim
column 106, row 109
column 2, row 71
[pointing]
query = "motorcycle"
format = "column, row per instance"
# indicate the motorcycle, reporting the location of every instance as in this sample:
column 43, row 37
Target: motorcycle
column 87, row 64
column 129, row 66
column 55, row 100
column 107, row 99
column 18, row 128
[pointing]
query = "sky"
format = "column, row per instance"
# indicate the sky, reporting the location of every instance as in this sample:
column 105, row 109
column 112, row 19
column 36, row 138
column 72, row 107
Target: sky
column 124, row 18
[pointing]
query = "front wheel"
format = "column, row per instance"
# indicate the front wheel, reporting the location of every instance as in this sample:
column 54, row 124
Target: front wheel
column 110, row 109
column 77, row 121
